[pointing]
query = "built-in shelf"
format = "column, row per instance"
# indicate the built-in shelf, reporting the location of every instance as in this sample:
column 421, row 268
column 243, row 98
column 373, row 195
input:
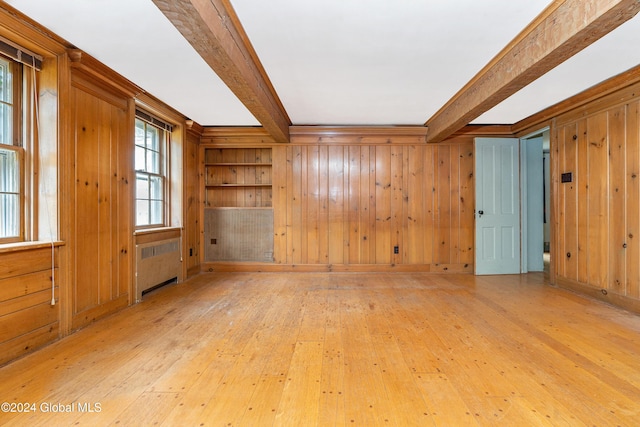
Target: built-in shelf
column 237, row 177
column 237, row 204
column 237, row 185
column 237, row 164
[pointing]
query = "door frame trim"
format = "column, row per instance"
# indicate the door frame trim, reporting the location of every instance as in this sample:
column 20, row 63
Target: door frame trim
column 524, row 268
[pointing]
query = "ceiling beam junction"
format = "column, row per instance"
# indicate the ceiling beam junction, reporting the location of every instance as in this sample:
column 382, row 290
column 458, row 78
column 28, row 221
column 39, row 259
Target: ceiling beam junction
column 563, row 29
column 214, row 31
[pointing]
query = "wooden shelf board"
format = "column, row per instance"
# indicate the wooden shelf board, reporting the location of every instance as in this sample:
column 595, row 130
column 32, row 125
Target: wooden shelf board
column 238, row 164
column 236, row 185
column 238, row 207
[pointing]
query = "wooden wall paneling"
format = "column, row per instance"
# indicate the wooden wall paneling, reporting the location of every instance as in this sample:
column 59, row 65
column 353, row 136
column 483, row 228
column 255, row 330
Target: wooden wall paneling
column 86, row 167
column 442, row 235
column 229, row 175
column 335, row 201
column 16, row 264
column 106, row 204
column 582, row 202
column 323, row 215
column 245, row 197
column 617, row 195
column 26, row 301
column 416, row 188
column 398, row 203
column 554, row 178
column 407, row 202
column 633, row 200
column 208, row 197
column 122, row 197
column 27, row 318
column 294, row 206
column 559, row 162
column 205, row 157
column 279, row 175
column 467, row 204
column 253, row 175
column 597, row 239
column 430, row 207
column 211, row 155
column 193, row 207
column 30, row 313
column 66, row 183
column 369, row 246
column 600, row 218
column 304, row 199
column 25, row 284
column 346, row 206
column 344, row 203
column 266, row 198
column 256, row 175
column 101, row 141
column 353, row 205
column 26, row 343
column 383, row 204
column 570, row 219
column 313, row 205
column 454, row 247
column 363, row 200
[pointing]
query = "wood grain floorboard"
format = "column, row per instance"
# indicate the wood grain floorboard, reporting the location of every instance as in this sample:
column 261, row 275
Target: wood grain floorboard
column 340, row 349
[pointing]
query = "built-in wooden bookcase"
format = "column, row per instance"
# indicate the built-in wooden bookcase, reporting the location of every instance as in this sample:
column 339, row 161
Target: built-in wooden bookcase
column 238, row 212
column 237, row 177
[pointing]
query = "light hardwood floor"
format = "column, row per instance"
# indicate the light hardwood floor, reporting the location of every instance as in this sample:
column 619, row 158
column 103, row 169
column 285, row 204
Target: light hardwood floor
column 303, row 349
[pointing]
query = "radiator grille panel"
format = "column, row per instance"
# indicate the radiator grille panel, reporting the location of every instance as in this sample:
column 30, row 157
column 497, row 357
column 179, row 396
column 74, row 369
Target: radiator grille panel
column 157, row 263
column 161, row 249
column 239, row 235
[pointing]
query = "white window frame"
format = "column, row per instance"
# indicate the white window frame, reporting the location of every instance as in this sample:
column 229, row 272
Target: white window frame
column 151, row 166
column 12, row 187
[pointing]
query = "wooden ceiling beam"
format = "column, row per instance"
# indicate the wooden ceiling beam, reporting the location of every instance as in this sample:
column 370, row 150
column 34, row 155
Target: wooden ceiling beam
column 214, row 31
column 563, row 29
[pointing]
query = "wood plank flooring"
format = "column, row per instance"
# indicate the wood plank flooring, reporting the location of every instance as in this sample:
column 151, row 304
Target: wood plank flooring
column 340, row 349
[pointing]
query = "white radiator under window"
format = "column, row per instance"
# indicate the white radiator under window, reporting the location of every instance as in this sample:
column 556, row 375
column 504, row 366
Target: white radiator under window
column 157, row 263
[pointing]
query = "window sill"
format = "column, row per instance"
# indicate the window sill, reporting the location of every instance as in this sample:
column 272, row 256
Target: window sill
column 27, row 246
column 143, row 231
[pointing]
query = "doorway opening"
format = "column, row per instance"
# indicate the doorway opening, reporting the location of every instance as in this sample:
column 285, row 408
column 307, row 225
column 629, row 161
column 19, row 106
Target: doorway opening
column 536, row 201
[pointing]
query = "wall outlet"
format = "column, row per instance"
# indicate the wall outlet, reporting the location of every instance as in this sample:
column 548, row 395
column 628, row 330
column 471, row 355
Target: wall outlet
column 396, row 249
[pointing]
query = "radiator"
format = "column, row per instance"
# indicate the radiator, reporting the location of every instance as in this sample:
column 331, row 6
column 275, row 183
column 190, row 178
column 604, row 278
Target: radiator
column 157, row 263
column 238, row 234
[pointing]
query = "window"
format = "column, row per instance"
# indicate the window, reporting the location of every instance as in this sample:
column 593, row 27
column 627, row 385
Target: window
column 151, row 143
column 11, row 217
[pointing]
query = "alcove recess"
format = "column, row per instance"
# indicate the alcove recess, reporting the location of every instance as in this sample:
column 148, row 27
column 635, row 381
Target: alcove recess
column 238, row 213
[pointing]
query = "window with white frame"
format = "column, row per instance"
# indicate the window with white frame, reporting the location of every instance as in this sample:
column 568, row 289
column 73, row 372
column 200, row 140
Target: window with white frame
column 11, row 218
column 151, row 140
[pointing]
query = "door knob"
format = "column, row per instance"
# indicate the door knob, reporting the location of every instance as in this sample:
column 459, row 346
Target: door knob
column 481, row 213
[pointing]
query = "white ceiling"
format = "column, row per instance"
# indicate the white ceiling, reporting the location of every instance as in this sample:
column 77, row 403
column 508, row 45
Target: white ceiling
column 334, row 62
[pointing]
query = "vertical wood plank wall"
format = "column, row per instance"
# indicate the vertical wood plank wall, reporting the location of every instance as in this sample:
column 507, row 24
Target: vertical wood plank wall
column 192, row 195
column 345, row 201
column 352, row 204
column 102, row 240
column 85, row 146
column 597, row 216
